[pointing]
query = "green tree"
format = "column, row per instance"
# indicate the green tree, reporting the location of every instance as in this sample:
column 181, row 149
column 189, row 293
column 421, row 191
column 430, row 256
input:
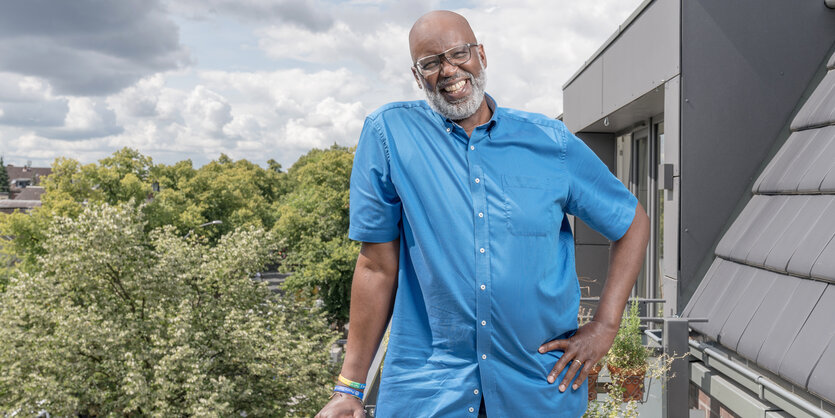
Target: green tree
column 237, row 193
column 313, row 228
column 118, row 320
column 5, row 187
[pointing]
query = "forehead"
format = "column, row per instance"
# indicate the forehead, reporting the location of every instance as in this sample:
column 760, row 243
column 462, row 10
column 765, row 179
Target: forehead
column 437, row 43
column 437, row 32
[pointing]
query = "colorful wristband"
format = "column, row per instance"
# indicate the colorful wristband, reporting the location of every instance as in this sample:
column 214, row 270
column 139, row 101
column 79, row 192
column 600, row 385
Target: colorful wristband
column 346, row 390
column 351, row 383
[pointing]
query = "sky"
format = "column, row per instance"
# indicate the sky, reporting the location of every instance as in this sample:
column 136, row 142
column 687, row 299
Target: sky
column 255, row 79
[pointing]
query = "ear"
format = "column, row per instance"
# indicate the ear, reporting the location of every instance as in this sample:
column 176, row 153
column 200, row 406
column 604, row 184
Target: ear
column 417, row 78
column 482, row 55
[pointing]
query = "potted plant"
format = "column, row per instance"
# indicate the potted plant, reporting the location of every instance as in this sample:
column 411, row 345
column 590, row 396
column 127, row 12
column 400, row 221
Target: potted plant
column 627, row 359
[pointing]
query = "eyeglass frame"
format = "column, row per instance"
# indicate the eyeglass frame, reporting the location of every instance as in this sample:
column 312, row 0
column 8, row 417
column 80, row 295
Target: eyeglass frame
column 443, row 56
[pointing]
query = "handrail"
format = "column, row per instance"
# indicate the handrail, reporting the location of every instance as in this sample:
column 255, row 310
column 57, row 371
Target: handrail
column 760, row 380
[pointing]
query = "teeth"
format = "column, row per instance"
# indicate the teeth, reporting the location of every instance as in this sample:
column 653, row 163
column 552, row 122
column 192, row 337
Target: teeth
column 455, row 87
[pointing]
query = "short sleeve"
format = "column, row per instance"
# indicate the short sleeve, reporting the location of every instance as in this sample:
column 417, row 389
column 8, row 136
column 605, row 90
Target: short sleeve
column 595, row 195
column 374, row 203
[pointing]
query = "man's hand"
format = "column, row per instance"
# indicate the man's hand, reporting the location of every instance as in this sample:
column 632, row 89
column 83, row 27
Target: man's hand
column 342, row 406
column 583, row 349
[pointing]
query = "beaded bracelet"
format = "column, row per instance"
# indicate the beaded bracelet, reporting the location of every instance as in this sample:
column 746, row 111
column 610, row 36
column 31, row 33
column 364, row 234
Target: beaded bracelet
column 351, row 383
column 348, row 391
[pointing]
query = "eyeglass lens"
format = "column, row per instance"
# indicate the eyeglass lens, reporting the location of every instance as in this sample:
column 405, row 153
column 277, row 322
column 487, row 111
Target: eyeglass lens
column 456, row 56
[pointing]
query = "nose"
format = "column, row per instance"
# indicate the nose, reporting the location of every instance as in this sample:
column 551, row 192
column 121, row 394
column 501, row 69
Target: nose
column 448, row 69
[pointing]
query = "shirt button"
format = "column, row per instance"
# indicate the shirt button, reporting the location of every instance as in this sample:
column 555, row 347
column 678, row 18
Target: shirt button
column 483, row 287
column 483, row 323
column 477, row 180
column 475, row 392
column 447, row 129
column 484, row 356
column 481, row 250
column 481, row 214
column 471, row 409
column 472, row 147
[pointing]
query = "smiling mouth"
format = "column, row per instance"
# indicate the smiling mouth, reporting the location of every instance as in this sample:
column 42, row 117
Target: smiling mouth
column 454, row 88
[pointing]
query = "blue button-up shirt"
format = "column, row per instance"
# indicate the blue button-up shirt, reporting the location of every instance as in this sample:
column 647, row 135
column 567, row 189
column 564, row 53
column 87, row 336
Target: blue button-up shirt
column 486, row 270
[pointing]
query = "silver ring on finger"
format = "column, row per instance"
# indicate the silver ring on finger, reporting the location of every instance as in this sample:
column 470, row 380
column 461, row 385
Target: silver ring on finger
column 578, row 361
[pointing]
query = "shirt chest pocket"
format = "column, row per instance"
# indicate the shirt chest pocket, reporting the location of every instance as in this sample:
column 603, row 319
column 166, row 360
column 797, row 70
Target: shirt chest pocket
column 533, row 205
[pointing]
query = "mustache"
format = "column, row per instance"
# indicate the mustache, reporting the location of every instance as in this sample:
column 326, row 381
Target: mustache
column 446, row 81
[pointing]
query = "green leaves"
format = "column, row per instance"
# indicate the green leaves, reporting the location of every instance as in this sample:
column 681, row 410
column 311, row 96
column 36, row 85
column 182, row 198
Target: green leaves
column 118, row 319
column 313, row 228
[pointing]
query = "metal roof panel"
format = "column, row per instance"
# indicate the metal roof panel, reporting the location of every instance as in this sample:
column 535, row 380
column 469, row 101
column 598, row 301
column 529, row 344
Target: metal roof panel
column 819, row 109
column 711, row 273
column 811, row 341
column 763, row 321
column 823, row 164
column 798, row 230
column 772, row 235
column 788, row 324
column 745, row 308
column 741, row 225
column 821, row 381
column 765, row 218
column 713, row 291
column 782, row 161
column 824, row 266
column 812, row 245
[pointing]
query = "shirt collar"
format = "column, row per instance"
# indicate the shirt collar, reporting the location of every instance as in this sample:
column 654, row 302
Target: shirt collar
column 494, row 108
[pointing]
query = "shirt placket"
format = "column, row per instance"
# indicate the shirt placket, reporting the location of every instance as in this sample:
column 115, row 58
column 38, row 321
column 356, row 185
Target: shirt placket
column 481, row 246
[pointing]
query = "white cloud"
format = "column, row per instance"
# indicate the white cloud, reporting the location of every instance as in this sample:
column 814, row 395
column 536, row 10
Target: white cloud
column 333, row 65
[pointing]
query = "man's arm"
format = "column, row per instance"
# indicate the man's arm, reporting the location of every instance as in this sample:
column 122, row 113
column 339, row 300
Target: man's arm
column 591, row 342
column 372, row 297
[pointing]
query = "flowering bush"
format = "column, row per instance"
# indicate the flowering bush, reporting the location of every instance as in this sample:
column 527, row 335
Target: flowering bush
column 115, row 320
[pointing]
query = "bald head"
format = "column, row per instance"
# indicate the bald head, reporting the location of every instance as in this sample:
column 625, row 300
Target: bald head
column 439, row 30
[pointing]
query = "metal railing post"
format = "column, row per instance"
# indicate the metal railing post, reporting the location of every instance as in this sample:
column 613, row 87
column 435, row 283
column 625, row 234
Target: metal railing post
column 676, row 382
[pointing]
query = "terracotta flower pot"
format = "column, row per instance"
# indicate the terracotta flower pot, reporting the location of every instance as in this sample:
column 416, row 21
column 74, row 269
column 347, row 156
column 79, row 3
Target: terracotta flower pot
column 631, row 380
column 592, row 379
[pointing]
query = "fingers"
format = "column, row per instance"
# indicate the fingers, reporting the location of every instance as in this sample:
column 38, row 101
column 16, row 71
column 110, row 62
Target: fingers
column 554, row 345
column 572, row 370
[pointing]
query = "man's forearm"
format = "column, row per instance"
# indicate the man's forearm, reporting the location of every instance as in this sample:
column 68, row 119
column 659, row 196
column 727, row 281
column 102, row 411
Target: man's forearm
column 372, row 296
column 625, row 262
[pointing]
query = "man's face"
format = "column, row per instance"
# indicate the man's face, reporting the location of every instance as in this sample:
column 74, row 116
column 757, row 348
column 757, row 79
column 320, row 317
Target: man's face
column 457, row 95
column 455, row 91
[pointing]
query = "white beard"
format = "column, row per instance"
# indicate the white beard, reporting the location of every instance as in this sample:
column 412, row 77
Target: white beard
column 464, row 108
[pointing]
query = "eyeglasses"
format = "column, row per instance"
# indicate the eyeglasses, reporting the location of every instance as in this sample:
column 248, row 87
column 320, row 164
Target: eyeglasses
column 456, row 55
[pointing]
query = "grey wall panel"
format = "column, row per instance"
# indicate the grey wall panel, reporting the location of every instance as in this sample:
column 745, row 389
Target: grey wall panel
column 761, row 223
column 745, row 308
column 603, row 145
column 583, row 98
column 734, row 292
column 744, row 70
column 824, row 266
column 783, row 160
column 762, row 323
column 811, row 341
column 815, row 142
column 709, row 299
column 741, row 225
column 644, row 57
column 641, row 58
column 823, row 164
column 787, row 325
column 711, row 274
column 812, row 245
column 773, row 234
column 820, row 108
column 800, row 228
column 821, row 381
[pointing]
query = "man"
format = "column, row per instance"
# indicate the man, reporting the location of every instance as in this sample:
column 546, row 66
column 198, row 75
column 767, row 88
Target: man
column 461, row 207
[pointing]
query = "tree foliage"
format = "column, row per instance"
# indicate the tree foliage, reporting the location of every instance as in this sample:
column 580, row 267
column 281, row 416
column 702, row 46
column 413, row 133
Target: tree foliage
column 5, row 186
column 313, row 226
column 121, row 319
column 237, row 193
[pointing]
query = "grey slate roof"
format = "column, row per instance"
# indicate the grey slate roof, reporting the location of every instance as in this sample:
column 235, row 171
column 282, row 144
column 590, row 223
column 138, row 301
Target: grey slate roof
column 770, row 293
